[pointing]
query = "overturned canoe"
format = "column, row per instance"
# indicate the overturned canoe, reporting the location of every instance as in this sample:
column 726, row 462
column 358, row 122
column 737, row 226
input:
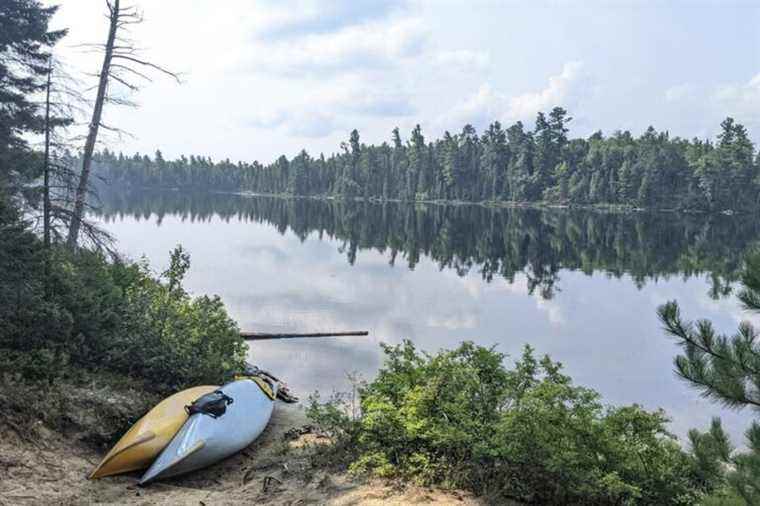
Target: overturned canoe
column 150, row 434
column 206, row 438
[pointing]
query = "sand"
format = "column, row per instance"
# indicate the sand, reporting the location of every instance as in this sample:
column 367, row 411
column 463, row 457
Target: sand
column 41, row 466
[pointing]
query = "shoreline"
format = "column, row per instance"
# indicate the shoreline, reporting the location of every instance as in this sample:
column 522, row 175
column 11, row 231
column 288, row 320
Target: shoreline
column 40, row 464
column 488, row 204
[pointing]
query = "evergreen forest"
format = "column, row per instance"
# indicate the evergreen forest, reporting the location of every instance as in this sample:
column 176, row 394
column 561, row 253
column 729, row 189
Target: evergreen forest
column 516, row 165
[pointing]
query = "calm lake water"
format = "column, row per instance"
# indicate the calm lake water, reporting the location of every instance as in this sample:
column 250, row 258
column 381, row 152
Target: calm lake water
column 581, row 286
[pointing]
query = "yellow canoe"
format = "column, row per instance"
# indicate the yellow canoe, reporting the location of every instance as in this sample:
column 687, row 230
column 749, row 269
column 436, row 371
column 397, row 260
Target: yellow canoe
column 150, row 434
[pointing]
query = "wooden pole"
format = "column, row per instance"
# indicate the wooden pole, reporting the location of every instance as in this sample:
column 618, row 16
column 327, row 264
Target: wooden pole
column 260, row 336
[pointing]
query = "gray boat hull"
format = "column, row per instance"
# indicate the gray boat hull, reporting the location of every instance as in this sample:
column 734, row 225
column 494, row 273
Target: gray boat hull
column 204, row 440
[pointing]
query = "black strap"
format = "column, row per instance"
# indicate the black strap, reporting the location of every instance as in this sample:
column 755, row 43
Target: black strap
column 229, row 400
column 211, row 407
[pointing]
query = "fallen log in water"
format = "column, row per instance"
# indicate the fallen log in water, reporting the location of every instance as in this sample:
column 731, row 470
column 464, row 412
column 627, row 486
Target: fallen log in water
column 260, row 336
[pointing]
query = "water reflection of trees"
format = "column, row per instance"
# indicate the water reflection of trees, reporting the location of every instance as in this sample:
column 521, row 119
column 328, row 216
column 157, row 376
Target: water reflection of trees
column 493, row 242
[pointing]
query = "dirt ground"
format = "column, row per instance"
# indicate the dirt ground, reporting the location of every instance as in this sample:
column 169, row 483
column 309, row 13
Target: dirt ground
column 39, row 466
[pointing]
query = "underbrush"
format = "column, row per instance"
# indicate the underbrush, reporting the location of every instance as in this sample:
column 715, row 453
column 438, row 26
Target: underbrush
column 462, row 419
column 60, row 311
column 95, row 408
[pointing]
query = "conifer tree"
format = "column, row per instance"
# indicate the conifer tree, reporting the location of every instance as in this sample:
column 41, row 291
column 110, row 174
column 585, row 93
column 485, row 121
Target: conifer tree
column 725, row 369
column 25, row 45
column 652, row 170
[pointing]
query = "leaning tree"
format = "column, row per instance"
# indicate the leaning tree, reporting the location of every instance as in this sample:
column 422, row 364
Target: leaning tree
column 122, row 65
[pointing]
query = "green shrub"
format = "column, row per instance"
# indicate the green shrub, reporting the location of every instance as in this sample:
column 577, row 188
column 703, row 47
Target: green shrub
column 100, row 314
column 173, row 338
column 460, row 418
column 723, row 498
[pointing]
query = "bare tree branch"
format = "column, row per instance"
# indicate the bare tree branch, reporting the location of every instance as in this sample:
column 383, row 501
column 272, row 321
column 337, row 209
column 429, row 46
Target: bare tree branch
column 148, row 64
column 118, row 47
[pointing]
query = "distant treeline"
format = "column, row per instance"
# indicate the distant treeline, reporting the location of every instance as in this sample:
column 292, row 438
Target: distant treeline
column 493, row 242
column 512, row 165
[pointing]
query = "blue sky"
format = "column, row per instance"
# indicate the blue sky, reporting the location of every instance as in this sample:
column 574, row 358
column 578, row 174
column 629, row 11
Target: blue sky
column 263, row 78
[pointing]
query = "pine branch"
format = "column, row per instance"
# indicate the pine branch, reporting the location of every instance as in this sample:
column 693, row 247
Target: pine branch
column 725, row 370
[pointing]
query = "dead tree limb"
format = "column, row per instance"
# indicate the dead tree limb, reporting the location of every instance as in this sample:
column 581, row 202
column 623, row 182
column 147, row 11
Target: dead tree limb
column 123, row 50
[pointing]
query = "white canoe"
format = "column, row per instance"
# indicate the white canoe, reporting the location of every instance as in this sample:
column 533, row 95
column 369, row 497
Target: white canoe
column 204, row 440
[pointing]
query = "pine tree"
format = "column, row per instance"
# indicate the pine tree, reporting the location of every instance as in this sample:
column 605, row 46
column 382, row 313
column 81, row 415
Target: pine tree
column 297, row 184
column 493, row 161
column 469, row 149
column 563, row 182
column 451, row 166
column 726, row 369
column 652, row 170
column 627, row 183
column 734, row 154
column 520, row 166
column 25, row 45
column 417, row 169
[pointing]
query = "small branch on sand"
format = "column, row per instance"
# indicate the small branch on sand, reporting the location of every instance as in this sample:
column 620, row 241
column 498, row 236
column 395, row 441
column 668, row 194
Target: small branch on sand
column 260, row 336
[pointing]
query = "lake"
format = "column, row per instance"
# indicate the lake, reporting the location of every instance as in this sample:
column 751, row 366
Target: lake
column 582, row 286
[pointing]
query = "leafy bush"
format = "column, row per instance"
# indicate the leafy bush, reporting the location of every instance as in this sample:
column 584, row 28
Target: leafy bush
column 110, row 315
column 173, row 337
column 460, row 418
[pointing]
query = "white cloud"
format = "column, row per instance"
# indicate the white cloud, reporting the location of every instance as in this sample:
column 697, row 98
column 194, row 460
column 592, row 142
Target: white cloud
column 680, row 92
column 298, row 123
column 311, row 124
column 711, row 104
column 488, row 104
column 268, row 118
column 453, row 321
column 553, row 310
column 741, row 100
column 316, row 115
column 559, row 91
column 353, row 48
column 485, row 105
column 519, row 287
column 384, row 104
column 463, row 60
column 248, row 56
column 276, row 20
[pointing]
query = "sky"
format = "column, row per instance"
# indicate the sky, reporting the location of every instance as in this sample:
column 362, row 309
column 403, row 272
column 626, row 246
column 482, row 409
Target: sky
column 262, row 78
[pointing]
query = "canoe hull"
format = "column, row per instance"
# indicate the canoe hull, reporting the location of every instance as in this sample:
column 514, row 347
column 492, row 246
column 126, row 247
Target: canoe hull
column 204, row 440
column 145, row 440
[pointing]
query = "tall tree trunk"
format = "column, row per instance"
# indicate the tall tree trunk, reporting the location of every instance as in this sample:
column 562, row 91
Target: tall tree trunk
column 46, row 178
column 92, row 134
column 46, row 168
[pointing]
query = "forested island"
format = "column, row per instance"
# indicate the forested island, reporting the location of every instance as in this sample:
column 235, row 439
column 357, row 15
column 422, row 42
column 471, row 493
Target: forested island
column 512, row 165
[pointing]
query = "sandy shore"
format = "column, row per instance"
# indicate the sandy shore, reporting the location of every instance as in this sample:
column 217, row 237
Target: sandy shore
column 40, row 466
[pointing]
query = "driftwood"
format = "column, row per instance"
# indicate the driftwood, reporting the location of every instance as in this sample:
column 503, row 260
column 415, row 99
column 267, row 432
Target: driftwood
column 260, row 336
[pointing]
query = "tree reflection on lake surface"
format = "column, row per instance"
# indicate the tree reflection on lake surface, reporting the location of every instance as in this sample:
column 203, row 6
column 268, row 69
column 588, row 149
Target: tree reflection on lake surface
column 580, row 285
